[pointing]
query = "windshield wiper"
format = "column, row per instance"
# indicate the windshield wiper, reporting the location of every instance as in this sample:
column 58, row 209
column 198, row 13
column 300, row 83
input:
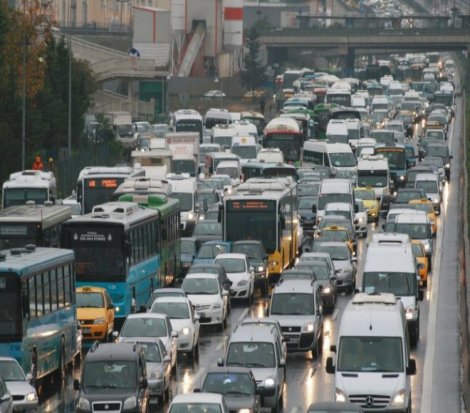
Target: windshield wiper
column 235, row 363
column 255, row 365
column 240, row 393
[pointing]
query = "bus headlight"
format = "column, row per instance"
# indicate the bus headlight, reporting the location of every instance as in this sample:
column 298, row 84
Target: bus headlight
column 130, row 403
column 399, row 399
column 83, row 404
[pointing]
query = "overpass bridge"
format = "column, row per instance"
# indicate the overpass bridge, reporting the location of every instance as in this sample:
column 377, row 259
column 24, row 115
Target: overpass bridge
column 348, row 35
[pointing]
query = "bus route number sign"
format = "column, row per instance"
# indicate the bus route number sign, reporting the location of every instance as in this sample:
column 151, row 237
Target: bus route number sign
column 102, row 183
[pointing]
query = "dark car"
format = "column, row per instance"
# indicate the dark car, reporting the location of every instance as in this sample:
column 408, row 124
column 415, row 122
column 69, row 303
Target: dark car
column 304, row 273
column 207, row 230
column 113, row 375
column 257, row 258
column 306, row 214
column 405, row 195
column 420, row 169
column 189, row 248
column 213, row 269
column 334, row 407
column 238, row 386
column 440, row 150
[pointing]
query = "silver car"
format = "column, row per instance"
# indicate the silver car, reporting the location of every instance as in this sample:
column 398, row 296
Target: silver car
column 6, row 401
column 23, row 393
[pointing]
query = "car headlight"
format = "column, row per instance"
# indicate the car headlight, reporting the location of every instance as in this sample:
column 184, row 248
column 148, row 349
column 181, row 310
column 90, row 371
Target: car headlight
column 409, row 314
column 242, row 282
column 326, row 290
column 427, row 247
column 245, row 411
column 31, row 397
column 260, row 268
column 308, row 327
column 185, row 331
column 216, row 306
column 190, row 216
column 130, row 403
column 362, row 221
column 399, row 399
column 269, row 382
column 156, row 375
column 435, row 200
column 340, row 396
column 402, row 178
column 447, row 165
column 117, row 309
column 100, row 321
column 83, row 404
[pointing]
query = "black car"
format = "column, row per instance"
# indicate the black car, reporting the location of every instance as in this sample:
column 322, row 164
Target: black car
column 189, row 248
column 257, row 258
column 114, row 378
column 238, row 386
column 208, row 230
column 405, row 195
column 306, row 214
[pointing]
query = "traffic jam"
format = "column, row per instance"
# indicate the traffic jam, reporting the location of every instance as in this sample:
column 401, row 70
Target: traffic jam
column 239, row 263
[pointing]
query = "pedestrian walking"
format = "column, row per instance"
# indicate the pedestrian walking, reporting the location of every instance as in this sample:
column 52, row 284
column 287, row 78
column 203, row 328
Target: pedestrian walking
column 134, row 55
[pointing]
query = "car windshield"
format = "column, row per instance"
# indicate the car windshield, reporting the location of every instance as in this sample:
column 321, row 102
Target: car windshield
column 210, row 251
column 308, row 189
column 305, row 203
column 370, row 354
column 11, row 371
column 110, row 374
column 211, row 184
column 292, row 304
column 417, row 250
column 238, row 384
column 208, row 286
column 365, row 195
column 232, row 264
column 415, row 231
column 252, row 251
column 343, row 159
column 151, row 352
column 89, row 300
column 185, row 198
column 423, row 206
column 434, row 150
column 188, row 247
column 208, row 228
column 403, row 197
column 172, row 310
column 144, row 327
column 337, row 253
column 334, row 235
column 188, row 407
column 428, row 186
column 398, row 283
column 251, row 354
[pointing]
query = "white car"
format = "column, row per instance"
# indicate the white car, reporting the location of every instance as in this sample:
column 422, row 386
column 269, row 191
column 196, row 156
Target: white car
column 145, row 325
column 200, row 402
column 239, row 272
column 183, row 319
column 209, row 298
column 360, row 219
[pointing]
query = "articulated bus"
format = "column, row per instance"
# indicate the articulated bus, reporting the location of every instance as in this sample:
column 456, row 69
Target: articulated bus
column 116, row 247
column 285, row 134
column 40, row 225
column 265, row 210
column 168, row 230
column 96, row 184
column 38, row 324
column 396, row 156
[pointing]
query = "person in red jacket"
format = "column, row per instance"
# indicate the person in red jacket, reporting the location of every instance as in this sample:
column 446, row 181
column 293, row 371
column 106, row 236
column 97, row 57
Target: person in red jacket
column 37, row 164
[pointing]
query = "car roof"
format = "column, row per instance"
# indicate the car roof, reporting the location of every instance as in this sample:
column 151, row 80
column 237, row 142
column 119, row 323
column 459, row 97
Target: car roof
column 300, row 286
column 197, row 398
column 171, row 300
column 168, row 290
column 228, row 369
column 89, row 289
column 253, row 332
column 146, row 315
column 201, row 275
column 112, row 351
column 234, row 255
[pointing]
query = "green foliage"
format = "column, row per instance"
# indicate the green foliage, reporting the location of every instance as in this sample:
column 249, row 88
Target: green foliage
column 253, row 75
column 46, row 101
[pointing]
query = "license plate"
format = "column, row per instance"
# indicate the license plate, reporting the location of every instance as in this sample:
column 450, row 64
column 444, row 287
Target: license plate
column 86, row 330
column 293, row 340
column 202, row 315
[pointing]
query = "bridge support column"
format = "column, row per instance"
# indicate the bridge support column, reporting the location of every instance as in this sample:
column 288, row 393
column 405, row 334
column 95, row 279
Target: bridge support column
column 347, row 62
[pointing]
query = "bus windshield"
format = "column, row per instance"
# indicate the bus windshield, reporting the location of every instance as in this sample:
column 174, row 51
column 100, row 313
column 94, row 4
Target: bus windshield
column 289, row 144
column 99, row 252
column 10, row 314
column 19, row 196
column 98, row 191
column 258, row 221
column 185, row 198
column 188, row 125
column 398, row 283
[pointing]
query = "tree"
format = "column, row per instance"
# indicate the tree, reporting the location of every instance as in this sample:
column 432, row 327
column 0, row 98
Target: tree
column 253, row 75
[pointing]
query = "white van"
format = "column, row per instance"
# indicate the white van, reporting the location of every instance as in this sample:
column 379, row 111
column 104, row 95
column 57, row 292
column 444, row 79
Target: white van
column 216, row 116
column 245, row 147
column 373, row 361
column 223, row 135
column 390, row 267
column 337, row 131
column 333, row 190
column 335, row 155
column 184, row 188
column 429, row 183
column 230, row 168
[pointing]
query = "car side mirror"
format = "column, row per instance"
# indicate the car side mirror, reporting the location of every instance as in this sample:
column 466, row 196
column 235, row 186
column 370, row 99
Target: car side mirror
column 29, row 377
column 333, row 279
column 111, row 307
column 144, row 383
column 333, row 348
column 167, row 359
column 220, row 362
column 174, row 334
column 142, row 309
column 115, row 334
column 76, row 384
column 282, row 362
column 252, row 269
column 196, row 317
column 356, row 209
column 6, row 397
column 330, row 368
column 197, row 208
column 353, row 259
column 411, row 369
column 225, row 293
column 197, row 390
column 420, row 295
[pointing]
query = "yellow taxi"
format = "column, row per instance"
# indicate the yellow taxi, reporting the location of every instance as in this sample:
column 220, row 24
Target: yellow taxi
column 426, row 206
column 335, row 233
column 95, row 313
column 371, row 204
column 421, row 260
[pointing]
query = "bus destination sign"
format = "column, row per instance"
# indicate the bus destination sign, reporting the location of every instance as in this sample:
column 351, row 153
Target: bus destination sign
column 251, row 205
column 102, row 183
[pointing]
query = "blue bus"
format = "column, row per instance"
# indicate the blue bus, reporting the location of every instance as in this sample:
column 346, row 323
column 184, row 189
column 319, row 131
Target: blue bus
column 116, row 247
column 38, row 324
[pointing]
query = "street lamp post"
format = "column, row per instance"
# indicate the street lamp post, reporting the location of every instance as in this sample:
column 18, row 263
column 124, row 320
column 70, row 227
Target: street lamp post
column 23, row 109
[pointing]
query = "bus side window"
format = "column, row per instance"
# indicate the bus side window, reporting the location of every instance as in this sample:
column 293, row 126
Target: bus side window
column 25, row 299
